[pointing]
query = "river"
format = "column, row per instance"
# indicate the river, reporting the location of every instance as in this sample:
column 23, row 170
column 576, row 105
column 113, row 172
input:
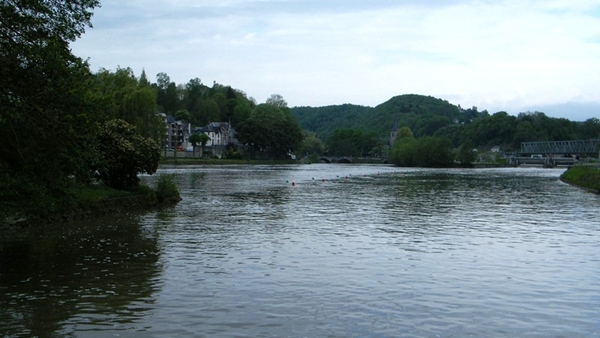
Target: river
column 322, row 250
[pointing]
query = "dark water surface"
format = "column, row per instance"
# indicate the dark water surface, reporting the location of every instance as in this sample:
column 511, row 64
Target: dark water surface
column 347, row 251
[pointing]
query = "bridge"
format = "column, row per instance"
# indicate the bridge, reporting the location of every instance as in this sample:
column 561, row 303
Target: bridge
column 546, row 162
column 586, row 147
column 336, row 159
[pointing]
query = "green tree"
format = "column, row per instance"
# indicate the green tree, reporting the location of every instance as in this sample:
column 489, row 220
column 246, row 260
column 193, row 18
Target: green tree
column 47, row 113
column 199, row 138
column 405, row 132
column 168, row 98
column 404, row 152
column 125, row 154
column 427, row 151
column 270, row 132
column 183, row 115
column 433, row 152
column 311, row 145
column 589, row 129
column 125, row 97
column 241, row 112
column 404, row 148
column 344, row 142
column 352, row 142
column 466, row 154
column 277, row 101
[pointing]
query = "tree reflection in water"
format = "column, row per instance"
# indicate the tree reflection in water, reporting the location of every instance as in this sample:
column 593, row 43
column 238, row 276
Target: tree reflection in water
column 55, row 280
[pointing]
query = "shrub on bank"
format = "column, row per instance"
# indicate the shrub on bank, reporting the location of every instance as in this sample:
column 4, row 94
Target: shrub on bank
column 99, row 200
column 166, row 189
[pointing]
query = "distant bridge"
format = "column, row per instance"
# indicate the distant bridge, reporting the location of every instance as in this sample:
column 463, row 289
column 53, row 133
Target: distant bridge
column 561, row 147
column 546, row 162
column 336, row 159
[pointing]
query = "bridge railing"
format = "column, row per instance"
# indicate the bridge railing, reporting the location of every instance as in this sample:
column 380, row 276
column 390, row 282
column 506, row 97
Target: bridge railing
column 561, row 147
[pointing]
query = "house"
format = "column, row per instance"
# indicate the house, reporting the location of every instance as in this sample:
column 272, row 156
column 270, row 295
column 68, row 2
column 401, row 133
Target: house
column 176, row 133
column 221, row 134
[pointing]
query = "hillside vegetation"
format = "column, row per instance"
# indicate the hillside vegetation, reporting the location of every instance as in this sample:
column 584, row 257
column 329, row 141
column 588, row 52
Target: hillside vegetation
column 422, row 114
column 429, row 116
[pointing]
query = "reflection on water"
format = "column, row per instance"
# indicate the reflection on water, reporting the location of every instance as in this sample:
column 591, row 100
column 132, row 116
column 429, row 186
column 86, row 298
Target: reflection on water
column 347, row 251
column 77, row 277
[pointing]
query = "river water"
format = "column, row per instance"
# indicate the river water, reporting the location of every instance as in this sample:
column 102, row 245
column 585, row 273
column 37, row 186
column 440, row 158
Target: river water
column 319, row 250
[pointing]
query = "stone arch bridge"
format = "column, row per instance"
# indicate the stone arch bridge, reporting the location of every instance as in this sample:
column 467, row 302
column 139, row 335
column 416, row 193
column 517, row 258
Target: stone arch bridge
column 336, row 159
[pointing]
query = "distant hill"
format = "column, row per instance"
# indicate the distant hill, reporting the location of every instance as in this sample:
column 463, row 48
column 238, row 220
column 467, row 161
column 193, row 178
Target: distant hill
column 424, row 115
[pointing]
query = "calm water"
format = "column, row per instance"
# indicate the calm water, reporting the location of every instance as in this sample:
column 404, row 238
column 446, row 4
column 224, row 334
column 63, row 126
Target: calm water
column 319, row 251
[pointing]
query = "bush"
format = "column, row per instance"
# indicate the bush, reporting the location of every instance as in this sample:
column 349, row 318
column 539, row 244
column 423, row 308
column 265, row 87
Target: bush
column 428, row 151
column 166, row 189
column 125, row 154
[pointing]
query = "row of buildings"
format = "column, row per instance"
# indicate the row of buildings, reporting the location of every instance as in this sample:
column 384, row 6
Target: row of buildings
column 177, row 133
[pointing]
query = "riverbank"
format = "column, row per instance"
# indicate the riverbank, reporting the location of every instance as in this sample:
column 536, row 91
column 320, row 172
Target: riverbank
column 586, row 177
column 98, row 200
column 219, row 161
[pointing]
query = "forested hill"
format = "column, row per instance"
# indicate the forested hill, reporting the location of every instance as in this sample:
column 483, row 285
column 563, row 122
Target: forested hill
column 323, row 120
column 423, row 114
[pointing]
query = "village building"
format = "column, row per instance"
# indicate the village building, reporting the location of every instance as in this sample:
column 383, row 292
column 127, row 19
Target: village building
column 221, row 135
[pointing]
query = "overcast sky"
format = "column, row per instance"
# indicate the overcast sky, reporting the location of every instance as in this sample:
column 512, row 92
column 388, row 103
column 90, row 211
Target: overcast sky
column 512, row 56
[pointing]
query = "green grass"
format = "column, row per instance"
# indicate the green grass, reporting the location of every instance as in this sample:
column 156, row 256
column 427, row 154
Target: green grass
column 95, row 192
column 586, row 177
column 98, row 192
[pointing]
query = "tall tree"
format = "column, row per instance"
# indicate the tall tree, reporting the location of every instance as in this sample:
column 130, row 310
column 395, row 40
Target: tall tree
column 270, row 132
column 277, row 101
column 135, row 101
column 168, row 95
column 47, row 113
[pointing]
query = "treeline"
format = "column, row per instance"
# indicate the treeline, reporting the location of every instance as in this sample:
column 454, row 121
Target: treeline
column 426, row 116
column 62, row 125
column 422, row 114
column 508, row 131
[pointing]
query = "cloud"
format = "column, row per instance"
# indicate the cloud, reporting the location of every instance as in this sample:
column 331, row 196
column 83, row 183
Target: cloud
column 505, row 55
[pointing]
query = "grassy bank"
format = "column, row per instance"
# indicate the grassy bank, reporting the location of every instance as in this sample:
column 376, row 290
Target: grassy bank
column 583, row 176
column 90, row 201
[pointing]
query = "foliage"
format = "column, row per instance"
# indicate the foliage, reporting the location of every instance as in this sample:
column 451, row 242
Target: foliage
column 204, row 104
column 423, row 114
column 201, row 138
column 95, row 192
column 404, row 152
column 270, row 132
column 195, row 139
column 166, row 189
column 47, row 111
column 434, row 152
column 323, row 120
column 125, row 154
column 428, row 116
column 125, row 97
column 183, row 115
column 427, row 151
column 405, row 132
column 351, row 142
column 311, row 145
column 277, row 101
column 466, row 154
column 232, row 153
